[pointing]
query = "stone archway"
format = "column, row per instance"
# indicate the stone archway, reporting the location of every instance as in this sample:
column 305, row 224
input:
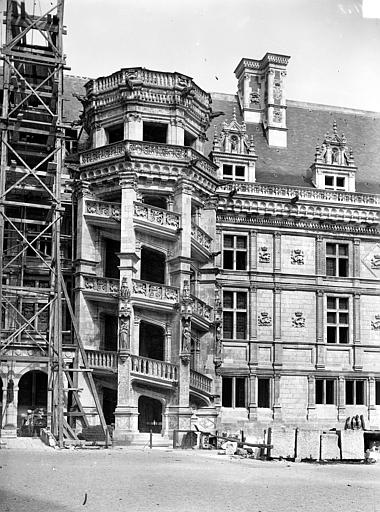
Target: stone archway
column 150, row 414
column 32, row 403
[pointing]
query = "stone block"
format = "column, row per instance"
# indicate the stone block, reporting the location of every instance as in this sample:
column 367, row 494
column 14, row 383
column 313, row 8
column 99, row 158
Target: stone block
column 308, row 444
column 329, row 447
column 352, row 444
column 283, row 441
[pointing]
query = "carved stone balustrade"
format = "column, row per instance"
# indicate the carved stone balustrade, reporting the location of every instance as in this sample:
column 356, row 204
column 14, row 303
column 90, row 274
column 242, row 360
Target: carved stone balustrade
column 147, row 150
column 202, row 309
column 201, row 238
column 154, row 368
column 304, row 194
column 100, row 286
column 102, row 359
column 156, row 219
column 155, row 292
column 200, row 382
column 103, row 210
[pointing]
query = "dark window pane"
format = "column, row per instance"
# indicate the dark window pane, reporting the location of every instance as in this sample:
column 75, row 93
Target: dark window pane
column 343, row 268
column 226, row 392
column 329, row 181
column 331, row 303
column 241, row 260
column 331, row 335
column 239, row 170
column 227, row 325
column 319, row 391
column 377, row 393
column 359, row 392
column 241, row 300
column 263, row 392
column 241, row 322
column 241, row 242
column 330, row 249
column 240, row 392
column 330, row 267
column 228, row 241
column 228, row 299
column 228, row 259
column 349, row 392
column 343, row 334
column 343, row 318
column 331, row 318
column 343, row 250
column 343, row 303
column 340, row 182
column 227, row 170
column 330, row 392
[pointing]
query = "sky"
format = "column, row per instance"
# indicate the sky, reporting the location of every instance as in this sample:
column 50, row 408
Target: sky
column 334, row 46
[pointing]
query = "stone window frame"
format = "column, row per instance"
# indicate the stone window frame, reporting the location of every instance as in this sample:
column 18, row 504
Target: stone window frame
column 235, row 250
column 334, row 185
column 324, row 393
column 337, row 257
column 355, row 401
column 233, row 176
column 234, row 391
column 337, row 324
column 235, row 311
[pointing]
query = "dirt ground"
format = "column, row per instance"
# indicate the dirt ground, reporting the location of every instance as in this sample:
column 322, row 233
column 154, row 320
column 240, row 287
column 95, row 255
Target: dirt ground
column 179, row 481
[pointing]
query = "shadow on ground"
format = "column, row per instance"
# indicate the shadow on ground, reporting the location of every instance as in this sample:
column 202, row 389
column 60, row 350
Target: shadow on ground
column 18, row 502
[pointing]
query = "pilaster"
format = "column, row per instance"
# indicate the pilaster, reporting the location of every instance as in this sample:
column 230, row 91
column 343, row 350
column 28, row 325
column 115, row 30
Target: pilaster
column 358, row 350
column 252, row 414
column 341, row 398
column 277, row 327
column 277, row 251
column 311, row 411
column 277, row 415
column 321, row 347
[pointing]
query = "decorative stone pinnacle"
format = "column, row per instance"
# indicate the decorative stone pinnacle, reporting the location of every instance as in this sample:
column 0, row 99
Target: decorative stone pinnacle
column 335, row 130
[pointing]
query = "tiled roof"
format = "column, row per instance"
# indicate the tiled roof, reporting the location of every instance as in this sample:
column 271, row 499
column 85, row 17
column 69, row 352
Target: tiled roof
column 307, row 125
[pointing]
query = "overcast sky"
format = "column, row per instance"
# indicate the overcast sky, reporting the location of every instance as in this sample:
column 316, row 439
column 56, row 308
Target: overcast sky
column 334, row 49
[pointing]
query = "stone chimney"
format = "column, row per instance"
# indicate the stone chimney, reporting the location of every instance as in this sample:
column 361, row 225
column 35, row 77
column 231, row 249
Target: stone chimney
column 262, row 97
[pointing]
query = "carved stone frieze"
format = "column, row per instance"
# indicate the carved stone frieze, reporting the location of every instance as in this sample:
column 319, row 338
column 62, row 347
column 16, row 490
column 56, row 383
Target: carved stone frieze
column 277, row 115
column 157, row 215
column 101, row 284
column 155, row 291
column 375, row 323
column 199, row 235
column 375, row 262
column 264, row 255
column 102, row 209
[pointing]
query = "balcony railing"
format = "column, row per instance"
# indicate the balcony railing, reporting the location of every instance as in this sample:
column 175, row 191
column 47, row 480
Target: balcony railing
column 200, row 381
column 103, row 209
column 309, row 194
column 156, row 216
column 155, row 291
column 202, row 309
column 94, row 284
column 154, row 368
column 154, row 150
column 102, row 359
column 201, row 237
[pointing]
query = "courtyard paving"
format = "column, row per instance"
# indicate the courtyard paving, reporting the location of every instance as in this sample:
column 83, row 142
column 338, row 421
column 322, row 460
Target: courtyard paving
column 178, row 481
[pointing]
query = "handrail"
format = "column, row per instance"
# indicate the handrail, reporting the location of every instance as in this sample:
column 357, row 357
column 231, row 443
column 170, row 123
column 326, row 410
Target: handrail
column 154, row 368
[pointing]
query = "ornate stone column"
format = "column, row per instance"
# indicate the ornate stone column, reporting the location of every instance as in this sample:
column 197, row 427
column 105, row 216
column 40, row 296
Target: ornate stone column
column 252, row 251
column 168, row 342
column 356, row 258
column 319, row 259
column 357, row 348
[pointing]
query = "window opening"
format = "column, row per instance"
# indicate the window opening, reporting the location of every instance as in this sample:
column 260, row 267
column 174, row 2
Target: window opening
column 337, row 257
column 235, row 252
column 355, row 392
column 234, row 392
column 263, row 393
column 235, row 315
column 337, row 320
column 325, row 391
column 155, row 132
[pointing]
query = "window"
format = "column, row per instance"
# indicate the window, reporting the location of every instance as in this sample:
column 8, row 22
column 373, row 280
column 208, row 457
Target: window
column 115, row 133
column 235, row 252
column 333, row 182
column 155, row 132
column 234, row 172
column 234, row 391
column 189, row 140
column 337, row 259
column 355, row 392
column 337, row 320
column 325, row 391
column 377, row 392
column 235, row 315
column 263, row 393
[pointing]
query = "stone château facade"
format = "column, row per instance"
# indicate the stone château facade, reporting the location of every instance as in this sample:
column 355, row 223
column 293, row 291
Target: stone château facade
column 227, row 254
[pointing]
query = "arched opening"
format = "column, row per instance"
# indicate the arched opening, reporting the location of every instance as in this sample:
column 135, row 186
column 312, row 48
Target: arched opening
column 152, row 265
column 109, row 405
column 150, row 415
column 152, row 341
column 32, row 403
column 157, row 201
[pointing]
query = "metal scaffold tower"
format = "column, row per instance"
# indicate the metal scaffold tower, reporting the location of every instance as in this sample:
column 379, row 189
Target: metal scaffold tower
column 36, row 212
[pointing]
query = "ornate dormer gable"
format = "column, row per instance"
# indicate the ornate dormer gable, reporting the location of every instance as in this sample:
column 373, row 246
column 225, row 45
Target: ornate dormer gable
column 334, row 167
column 234, row 152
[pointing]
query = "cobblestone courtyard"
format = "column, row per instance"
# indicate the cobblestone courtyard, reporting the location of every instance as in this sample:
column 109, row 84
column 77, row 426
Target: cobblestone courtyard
column 141, row 481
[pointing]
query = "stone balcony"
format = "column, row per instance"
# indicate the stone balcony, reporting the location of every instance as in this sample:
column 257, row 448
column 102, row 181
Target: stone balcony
column 97, row 288
column 151, row 151
column 200, row 382
column 153, row 220
column 144, row 368
column 202, row 313
column 201, row 241
column 154, row 295
column 102, row 213
column 102, row 360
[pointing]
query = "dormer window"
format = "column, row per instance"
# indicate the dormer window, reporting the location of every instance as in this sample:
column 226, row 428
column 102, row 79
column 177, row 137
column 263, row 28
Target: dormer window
column 234, row 172
column 335, row 182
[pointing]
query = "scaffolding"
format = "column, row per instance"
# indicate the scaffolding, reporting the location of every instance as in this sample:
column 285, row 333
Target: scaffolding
column 36, row 211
